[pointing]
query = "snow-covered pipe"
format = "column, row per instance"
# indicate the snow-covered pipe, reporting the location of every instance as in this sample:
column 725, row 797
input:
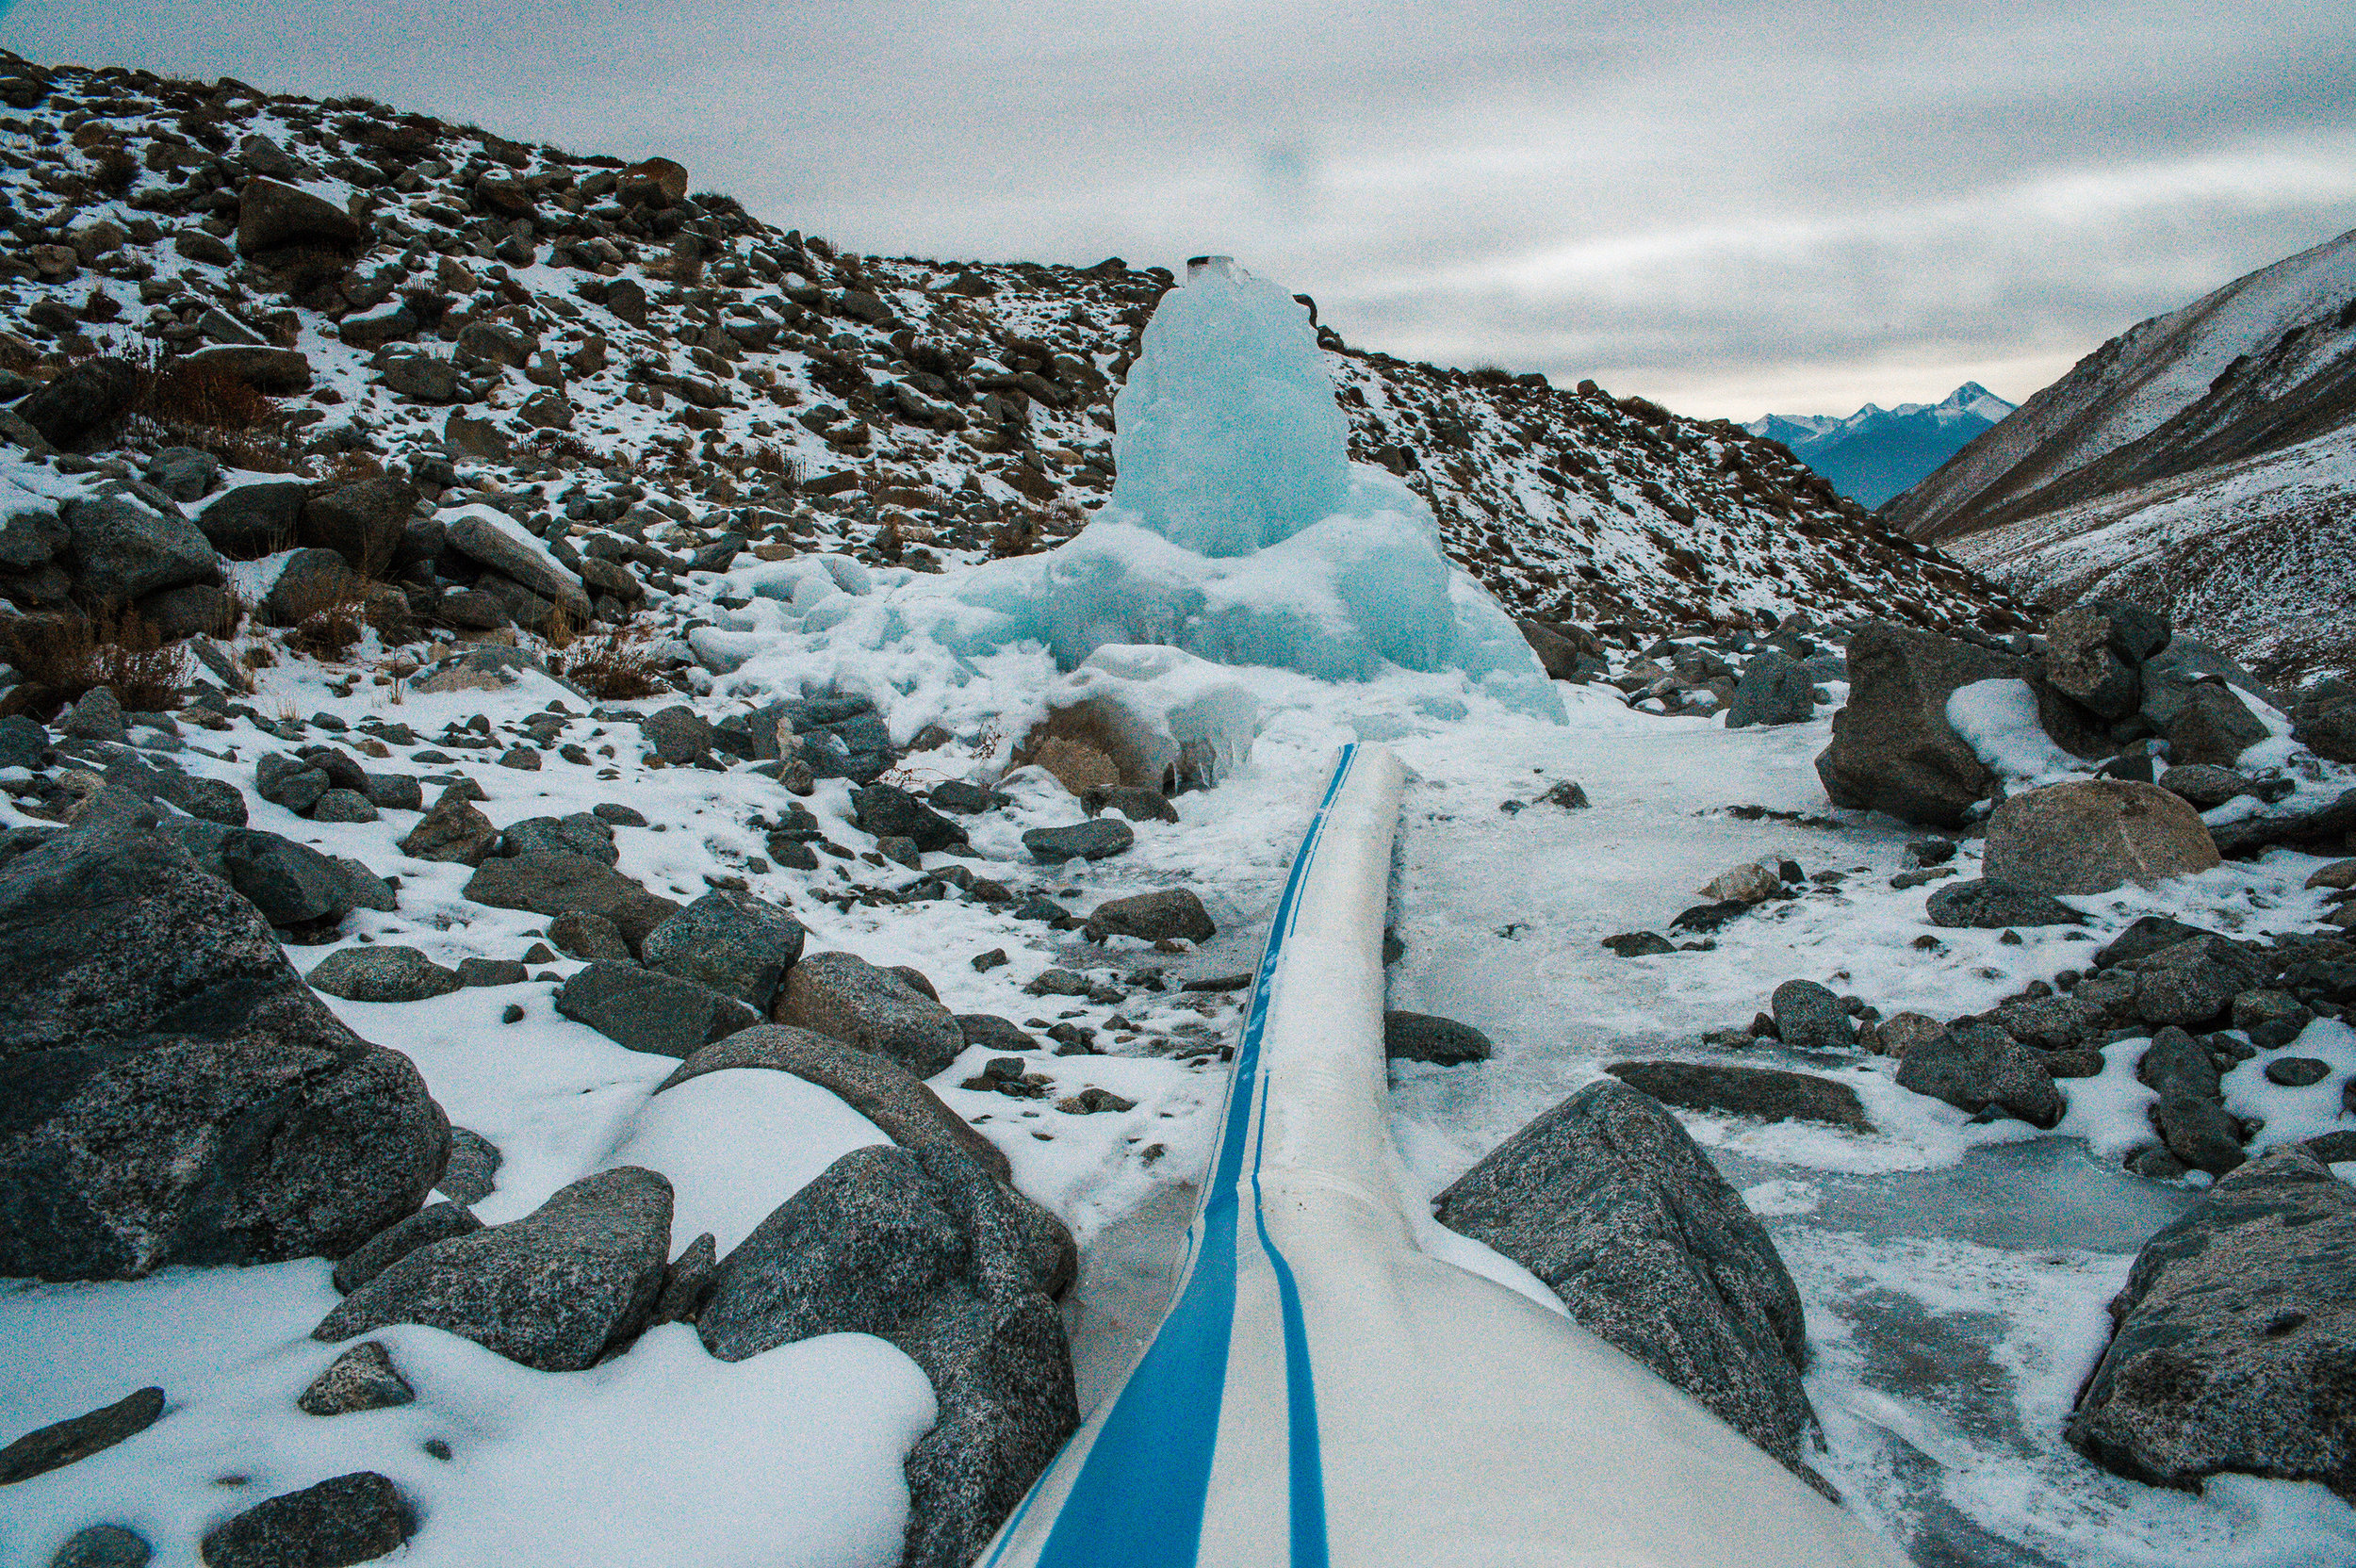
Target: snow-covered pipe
column 1324, row 1392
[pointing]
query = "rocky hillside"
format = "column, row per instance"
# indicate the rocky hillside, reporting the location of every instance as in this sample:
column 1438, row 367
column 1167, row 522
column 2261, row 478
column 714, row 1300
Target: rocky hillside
column 2264, row 363
column 335, row 290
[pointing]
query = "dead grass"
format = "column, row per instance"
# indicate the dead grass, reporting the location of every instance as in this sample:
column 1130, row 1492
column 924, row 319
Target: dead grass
column 327, row 620
column 64, row 656
column 614, row 667
column 192, row 402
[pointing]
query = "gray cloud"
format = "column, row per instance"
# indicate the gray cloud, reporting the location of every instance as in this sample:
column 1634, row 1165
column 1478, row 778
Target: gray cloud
column 1726, row 204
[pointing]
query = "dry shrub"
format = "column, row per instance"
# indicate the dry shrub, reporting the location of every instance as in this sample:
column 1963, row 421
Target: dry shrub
column 195, row 392
column 326, row 618
column 62, row 657
column 615, row 667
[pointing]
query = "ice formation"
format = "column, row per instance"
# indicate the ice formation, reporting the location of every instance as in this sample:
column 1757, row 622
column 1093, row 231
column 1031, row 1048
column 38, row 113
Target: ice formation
column 1239, row 532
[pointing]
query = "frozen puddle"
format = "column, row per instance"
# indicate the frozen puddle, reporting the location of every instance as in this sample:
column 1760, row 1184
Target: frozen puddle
column 1955, row 1277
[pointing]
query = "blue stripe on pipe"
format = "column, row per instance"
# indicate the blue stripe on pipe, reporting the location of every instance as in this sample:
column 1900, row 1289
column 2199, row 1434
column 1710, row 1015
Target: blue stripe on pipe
column 1137, row 1501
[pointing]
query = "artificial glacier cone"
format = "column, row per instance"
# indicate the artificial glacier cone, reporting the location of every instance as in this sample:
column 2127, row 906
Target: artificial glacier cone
column 1239, row 529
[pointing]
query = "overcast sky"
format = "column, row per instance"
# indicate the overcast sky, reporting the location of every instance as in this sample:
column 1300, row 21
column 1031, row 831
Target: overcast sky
column 1731, row 207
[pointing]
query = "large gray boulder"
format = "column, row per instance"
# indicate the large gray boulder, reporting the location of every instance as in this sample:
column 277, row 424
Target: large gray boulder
column 646, row 1010
column 1773, row 690
column 548, row 882
column 454, row 832
column 1976, row 1067
column 2093, row 651
column 250, row 520
column 1892, row 749
column 2170, row 674
column 364, row 522
column 579, row 833
column 484, row 542
column 921, row 1247
column 552, row 1290
column 1607, row 1201
column 891, row 813
column 2094, row 835
column 2213, row 727
column 843, row 996
column 272, row 215
column 123, row 552
column 2236, row 1348
column 729, row 941
column 1166, row 913
column 175, row 1093
column 86, row 397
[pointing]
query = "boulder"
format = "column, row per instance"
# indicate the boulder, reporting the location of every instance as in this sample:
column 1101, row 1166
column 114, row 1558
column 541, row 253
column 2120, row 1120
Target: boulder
column 1976, row 1067
column 2190, row 982
column 365, row 523
column 432, row 1223
column 1808, row 1017
column 251, row 521
column 1607, row 1201
column 176, row 1094
column 2201, row 1133
column 2093, row 651
column 343, row 1520
column 309, row 581
column 2170, row 674
column 654, row 182
column 837, row 736
column 922, row 1249
column 2235, row 1347
column 2093, row 836
column 2327, row 727
column 1985, row 904
column 1773, row 690
column 891, row 813
column 272, row 216
column 730, row 942
column 552, row 1290
column 84, row 397
column 103, row 1547
column 32, row 531
column 844, row 997
column 1767, row 1093
column 678, row 734
column 2202, row 786
column 183, row 473
column 1746, row 884
column 1095, row 840
column 589, row 938
column 1171, row 912
column 291, row 884
column 272, row 372
column 1892, row 749
column 2213, row 727
column 68, row 1441
column 454, row 832
column 581, row 833
column 123, row 552
column 645, row 1010
column 474, row 1166
column 554, row 884
column 475, row 536
column 1424, row 1037
column 382, row 974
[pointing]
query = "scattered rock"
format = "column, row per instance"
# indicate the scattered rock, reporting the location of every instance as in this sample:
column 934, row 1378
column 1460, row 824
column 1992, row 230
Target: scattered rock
column 1095, row 840
column 1977, row 1066
column 363, row 1378
column 581, row 833
column 64, row 1443
column 552, row 1290
column 344, row 1519
column 1746, row 884
column 1168, row 913
column 730, row 942
column 382, row 974
column 2094, row 836
column 103, row 1547
column 1985, row 904
column 473, row 1169
column 1767, row 1093
column 432, row 1223
column 1639, row 945
column 1773, row 690
column 554, row 884
column 2237, row 1338
column 2296, row 1073
column 650, row 1011
column 678, row 734
column 888, row 812
column 844, row 997
column 1422, row 1038
column 454, row 832
column 590, row 937
column 2203, row 786
column 1607, row 1201
column 1808, row 1017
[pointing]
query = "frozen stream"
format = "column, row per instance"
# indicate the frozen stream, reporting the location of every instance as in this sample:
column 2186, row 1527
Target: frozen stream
column 1955, row 1276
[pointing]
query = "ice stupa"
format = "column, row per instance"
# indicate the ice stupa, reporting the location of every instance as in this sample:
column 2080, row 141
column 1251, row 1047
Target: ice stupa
column 1238, row 530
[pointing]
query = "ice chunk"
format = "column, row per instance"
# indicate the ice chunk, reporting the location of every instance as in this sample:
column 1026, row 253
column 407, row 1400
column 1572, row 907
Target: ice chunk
column 1168, row 718
column 1229, row 438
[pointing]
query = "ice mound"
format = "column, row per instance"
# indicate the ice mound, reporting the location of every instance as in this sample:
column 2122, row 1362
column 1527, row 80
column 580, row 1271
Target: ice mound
column 1238, row 531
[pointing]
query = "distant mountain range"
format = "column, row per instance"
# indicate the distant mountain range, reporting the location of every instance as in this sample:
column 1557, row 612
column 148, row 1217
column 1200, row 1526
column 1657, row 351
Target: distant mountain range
column 1876, row 453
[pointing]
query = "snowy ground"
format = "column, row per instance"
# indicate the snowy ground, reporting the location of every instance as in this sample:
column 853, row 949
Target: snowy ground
column 1955, row 1275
